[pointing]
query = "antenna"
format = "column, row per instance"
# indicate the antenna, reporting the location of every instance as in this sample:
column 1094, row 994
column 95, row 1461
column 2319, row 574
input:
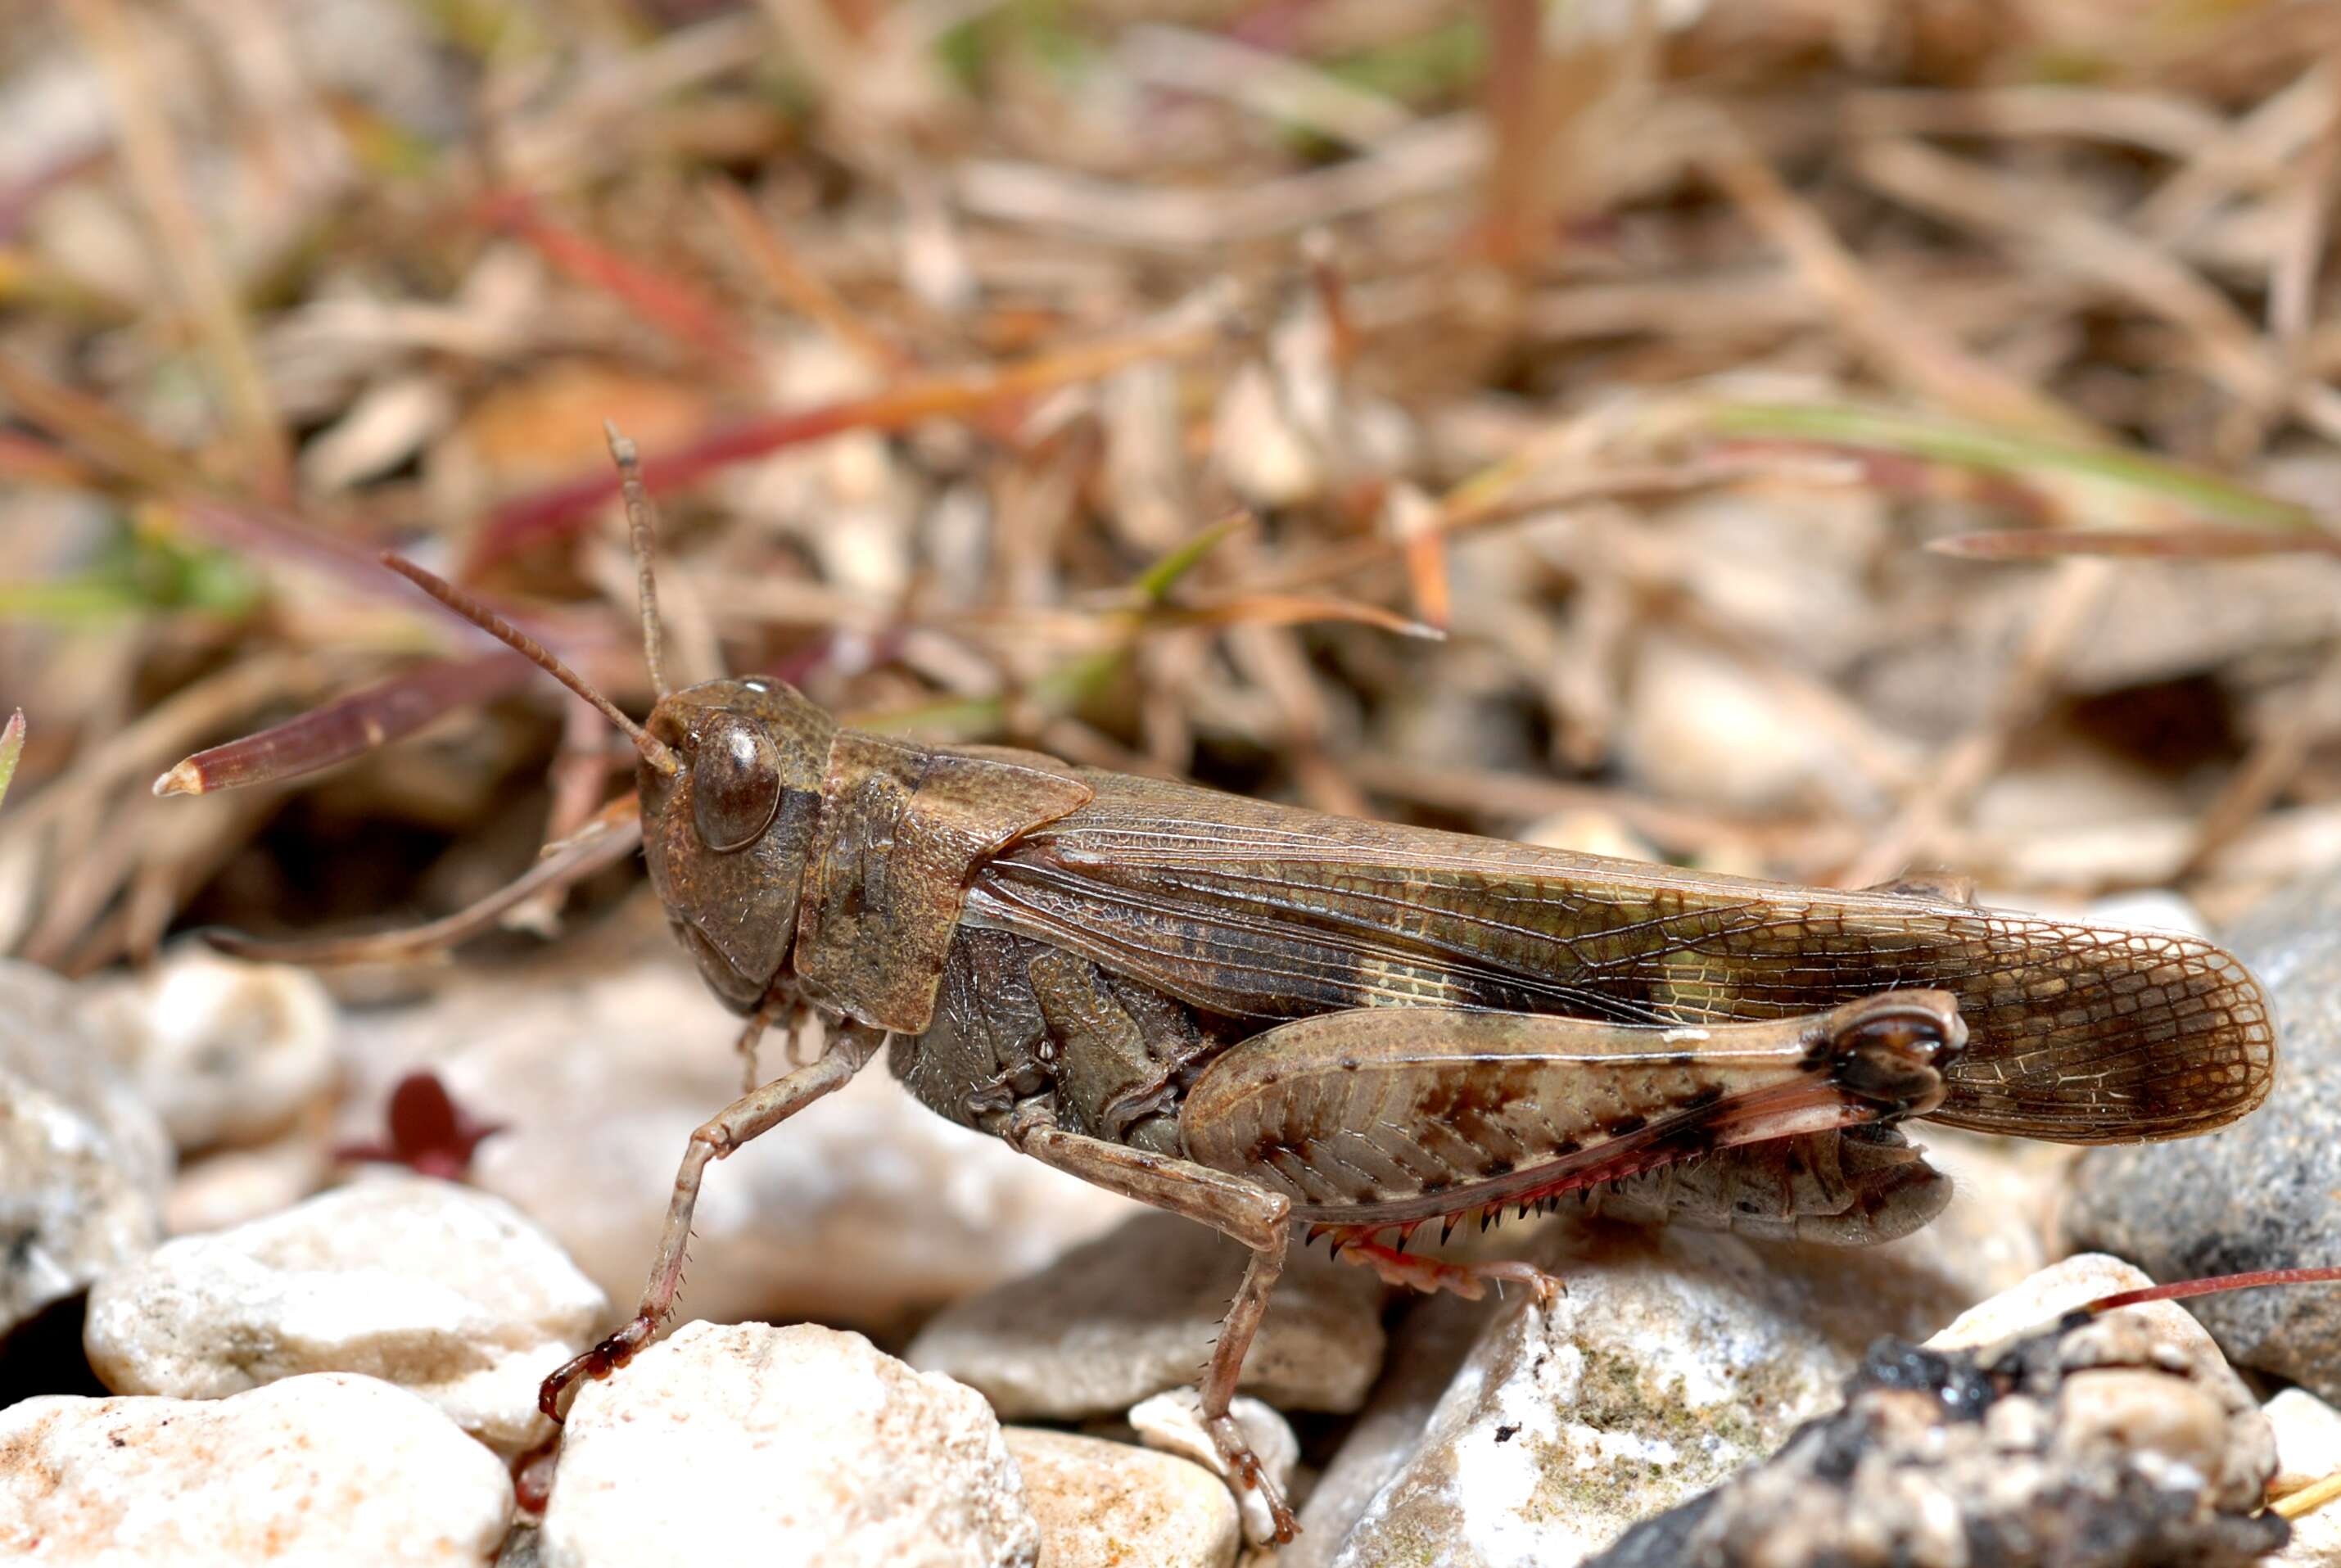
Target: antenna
column 642, row 523
column 654, row 751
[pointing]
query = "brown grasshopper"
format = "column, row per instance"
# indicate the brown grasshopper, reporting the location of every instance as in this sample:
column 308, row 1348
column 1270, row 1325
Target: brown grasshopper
column 1252, row 1014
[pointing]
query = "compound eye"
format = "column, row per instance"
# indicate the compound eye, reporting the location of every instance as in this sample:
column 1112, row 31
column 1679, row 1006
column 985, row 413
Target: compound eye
column 736, row 782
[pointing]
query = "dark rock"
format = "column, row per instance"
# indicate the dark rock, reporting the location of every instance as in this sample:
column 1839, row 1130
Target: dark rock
column 2094, row 1446
column 2259, row 1193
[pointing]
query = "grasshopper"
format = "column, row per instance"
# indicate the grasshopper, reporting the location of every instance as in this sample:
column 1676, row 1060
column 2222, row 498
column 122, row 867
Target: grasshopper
column 1254, row 1015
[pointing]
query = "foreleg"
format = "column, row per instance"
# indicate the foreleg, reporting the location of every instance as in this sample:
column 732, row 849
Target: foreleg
column 750, row 1116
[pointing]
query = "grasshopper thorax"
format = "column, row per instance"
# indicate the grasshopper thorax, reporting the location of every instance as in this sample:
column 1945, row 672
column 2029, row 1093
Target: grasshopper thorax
column 726, row 833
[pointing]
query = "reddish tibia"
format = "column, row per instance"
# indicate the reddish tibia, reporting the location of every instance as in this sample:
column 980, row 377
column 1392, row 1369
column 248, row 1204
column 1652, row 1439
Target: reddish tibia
column 1810, row 1102
column 1431, row 1275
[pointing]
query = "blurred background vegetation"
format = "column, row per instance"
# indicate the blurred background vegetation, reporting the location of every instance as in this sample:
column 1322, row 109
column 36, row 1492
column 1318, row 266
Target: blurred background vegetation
column 1802, row 438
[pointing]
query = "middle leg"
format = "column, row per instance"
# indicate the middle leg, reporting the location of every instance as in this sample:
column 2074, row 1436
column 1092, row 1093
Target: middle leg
column 1231, row 1205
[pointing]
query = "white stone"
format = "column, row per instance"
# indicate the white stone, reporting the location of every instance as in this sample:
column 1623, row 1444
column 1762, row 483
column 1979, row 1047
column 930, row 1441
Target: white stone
column 2039, row 1301
column 325, row 1471
column 801, row 1445
column 1136, row 1311
column 2307, row 1450
column 1104, row 1504
column 600, row 1057
column 82, row 1162
column 1793, row 570
column 1699, row 727
column 1589, row 829
column 1173, row 1420
column 1675, row 1357
column 224, row 1050
column 1256, row 447
column 447, row 1291
column 2151, row 908
column 230, row 1186
column 1428, row 1343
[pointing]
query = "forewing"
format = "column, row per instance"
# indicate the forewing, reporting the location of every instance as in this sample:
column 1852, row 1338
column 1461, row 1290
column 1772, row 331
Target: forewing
column 2077, row 1033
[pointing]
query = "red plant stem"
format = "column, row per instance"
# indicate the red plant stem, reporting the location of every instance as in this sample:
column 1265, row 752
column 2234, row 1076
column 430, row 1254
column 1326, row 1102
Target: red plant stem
column 666, row 302
column 2179, row 1290
column 552, row 513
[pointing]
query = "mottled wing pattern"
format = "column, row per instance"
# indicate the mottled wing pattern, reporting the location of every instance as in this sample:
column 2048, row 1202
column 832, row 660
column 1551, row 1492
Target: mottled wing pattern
column 2078, row 1032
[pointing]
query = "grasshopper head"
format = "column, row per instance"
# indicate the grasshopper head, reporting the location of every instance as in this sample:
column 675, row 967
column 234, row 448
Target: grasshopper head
column 731, row 782
column 726, row 831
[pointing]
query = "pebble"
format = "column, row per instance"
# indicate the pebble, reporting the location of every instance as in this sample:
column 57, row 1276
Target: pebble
column 445, row 1292
column 82, row 1162
column 1675, row 1357
column 2039, row 1301
column 230, row 1186
column 324, row 1470
column 1258, row 449
column 805, row 1441
column 226, row 1051
column 1134, row 1312
column 2150, row 909
column 2097, row 1445
column 1103, row 1505
column 600, row 1058
column 2307, row 1450
column 1697, row 727
column 1173, row 1420
column 1432, row 1336
column 2257, row 1193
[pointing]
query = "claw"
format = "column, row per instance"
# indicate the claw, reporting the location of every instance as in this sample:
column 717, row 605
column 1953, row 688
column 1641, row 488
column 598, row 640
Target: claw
column 1246, row 1474
column 598, row 1362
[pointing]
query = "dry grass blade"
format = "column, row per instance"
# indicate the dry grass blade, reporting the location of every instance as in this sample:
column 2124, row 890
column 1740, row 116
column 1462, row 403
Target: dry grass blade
column 1289, row 610
column 12, row 748
column 603, row 844
column 2317, row 1494
column 463, row 605
column 668, row 304
column 192, row 262
column 2151, row 545
column 552, row 514
column 795, row 284
column 2013, row 454
column 2001, row 203
column 1273, row 84
column 1429, row 158
column 167, row 729
column 2067, row 598
column 347, row 727
column 1897, row 338
column 97, row 432
column 1503, row 494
